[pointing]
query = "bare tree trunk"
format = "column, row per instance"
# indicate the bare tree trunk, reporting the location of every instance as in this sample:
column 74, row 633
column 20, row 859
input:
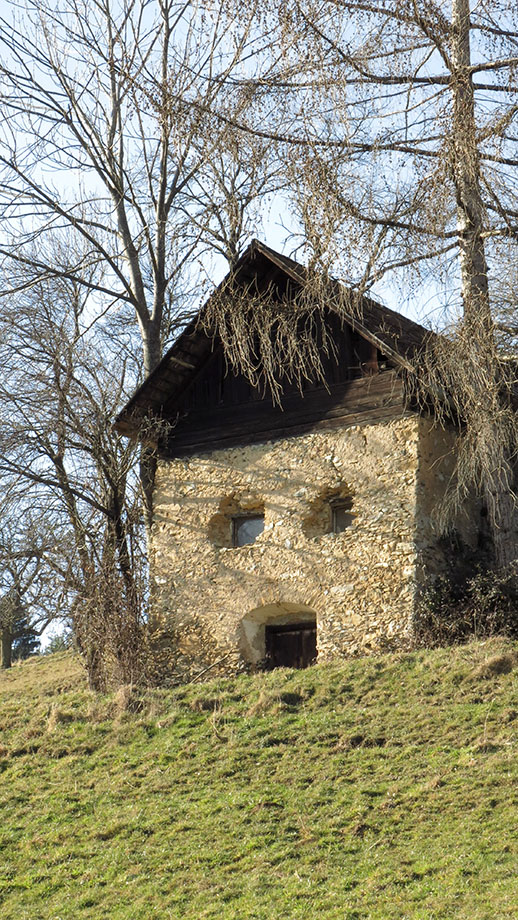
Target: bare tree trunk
column 478, row 322
column 6, row 647
column 466, row 176
column 502, row 508
column 148, row 466
column 148, row 461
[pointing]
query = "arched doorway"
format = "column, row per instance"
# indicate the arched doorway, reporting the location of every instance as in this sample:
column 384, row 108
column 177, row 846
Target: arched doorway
column 280, row 635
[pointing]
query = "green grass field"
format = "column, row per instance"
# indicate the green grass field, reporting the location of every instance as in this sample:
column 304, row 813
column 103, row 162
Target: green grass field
column 378, row 788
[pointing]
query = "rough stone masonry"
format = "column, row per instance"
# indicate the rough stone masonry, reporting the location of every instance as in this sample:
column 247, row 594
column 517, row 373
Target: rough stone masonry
column 213, row 599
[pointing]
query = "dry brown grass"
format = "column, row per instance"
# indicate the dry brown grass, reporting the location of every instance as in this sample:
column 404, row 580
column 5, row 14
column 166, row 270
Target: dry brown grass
column 497, row 664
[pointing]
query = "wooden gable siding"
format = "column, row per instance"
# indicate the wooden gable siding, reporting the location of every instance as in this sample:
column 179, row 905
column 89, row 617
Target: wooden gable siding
column 220, row 408
column 181, row 383
column 218, row 386
column 356, row 401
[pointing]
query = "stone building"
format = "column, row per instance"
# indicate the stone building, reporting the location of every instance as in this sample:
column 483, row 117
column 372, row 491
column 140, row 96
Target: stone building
column 285, row 534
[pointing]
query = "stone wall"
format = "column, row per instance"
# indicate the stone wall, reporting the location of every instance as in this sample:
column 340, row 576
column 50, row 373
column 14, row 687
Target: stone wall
column 435, row 473
column 361, row 584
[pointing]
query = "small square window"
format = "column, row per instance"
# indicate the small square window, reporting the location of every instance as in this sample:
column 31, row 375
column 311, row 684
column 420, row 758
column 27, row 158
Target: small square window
column 245, row 530
column 341, row 516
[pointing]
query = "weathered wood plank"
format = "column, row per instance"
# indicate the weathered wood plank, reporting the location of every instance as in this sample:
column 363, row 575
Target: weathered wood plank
column 354, row 394
column 196, row 443
column 356, row 402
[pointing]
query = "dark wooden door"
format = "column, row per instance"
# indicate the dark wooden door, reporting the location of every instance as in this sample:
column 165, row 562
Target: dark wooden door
column 293, row 646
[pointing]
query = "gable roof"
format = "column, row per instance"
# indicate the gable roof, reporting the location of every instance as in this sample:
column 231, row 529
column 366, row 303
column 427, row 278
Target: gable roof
column 397, row 337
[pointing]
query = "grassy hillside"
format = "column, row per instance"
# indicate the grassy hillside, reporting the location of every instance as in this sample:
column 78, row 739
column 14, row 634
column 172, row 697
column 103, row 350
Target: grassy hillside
column 380, row 788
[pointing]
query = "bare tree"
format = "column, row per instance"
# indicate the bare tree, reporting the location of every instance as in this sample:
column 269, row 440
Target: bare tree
column 60, row 387
column 114, row 120
column 396, row 125
column 27, row 600
column 230, row 200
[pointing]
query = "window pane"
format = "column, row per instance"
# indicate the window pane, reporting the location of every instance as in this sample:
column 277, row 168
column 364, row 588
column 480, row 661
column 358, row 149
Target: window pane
column 247, row 529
